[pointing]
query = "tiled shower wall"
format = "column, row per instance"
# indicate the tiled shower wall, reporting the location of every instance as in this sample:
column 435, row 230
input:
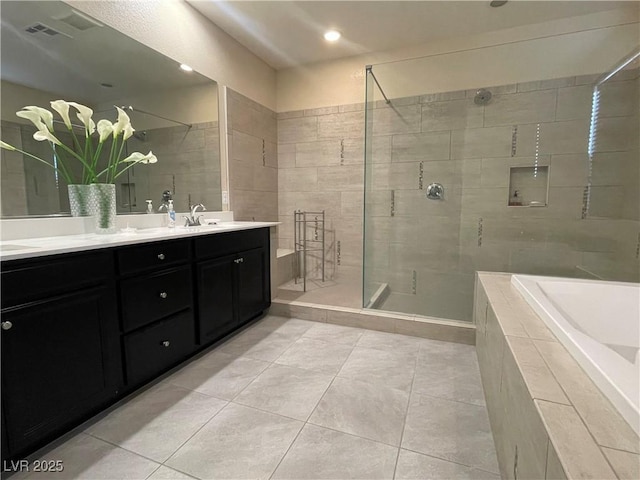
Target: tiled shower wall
column 13, row 188
column 253, row 163
column 427, row 251
column 321, row 167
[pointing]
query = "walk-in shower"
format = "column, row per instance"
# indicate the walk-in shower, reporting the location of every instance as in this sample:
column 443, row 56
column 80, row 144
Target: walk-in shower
column 538, row 169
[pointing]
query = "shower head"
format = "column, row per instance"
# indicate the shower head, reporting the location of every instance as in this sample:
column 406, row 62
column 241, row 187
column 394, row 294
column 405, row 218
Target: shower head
column 482, row 97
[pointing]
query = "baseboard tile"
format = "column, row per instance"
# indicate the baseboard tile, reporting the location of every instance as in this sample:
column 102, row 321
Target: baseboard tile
column 413, row 325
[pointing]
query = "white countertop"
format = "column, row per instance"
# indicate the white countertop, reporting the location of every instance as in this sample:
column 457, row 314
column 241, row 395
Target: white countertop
column 39, row 247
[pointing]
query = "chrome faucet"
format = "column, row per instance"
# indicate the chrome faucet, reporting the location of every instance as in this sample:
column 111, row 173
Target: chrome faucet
column 193, row 220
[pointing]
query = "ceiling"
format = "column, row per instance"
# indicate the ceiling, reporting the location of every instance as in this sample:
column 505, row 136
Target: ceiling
column 289, row 33
column 75, row 62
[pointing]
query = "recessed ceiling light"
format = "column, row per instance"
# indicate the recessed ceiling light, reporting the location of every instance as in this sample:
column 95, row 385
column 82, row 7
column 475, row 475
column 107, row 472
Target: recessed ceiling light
column 498, row 3
column 186, row 68
column 332, row 35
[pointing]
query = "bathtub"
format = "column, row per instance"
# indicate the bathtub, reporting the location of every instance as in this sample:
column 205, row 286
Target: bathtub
column 599, row 324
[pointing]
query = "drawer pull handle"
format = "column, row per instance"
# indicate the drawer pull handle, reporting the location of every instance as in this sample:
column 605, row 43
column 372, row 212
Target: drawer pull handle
column 163, row 294
column 166, row 343
column 161, row 256
column 7, row 325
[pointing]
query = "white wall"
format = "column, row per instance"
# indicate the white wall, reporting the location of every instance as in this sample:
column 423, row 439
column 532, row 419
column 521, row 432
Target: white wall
column 573, row 46
column 176, row 30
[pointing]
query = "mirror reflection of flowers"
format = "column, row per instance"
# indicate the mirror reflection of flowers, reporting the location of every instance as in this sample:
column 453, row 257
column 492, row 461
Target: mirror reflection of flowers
column 87, row 151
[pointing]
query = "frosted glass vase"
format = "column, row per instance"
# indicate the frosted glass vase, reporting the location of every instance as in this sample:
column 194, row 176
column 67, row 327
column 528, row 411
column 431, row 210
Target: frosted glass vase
column 79, row 200
column 103, row 207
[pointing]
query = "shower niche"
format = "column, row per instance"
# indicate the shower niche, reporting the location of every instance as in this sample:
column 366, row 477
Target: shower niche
column 528, row 186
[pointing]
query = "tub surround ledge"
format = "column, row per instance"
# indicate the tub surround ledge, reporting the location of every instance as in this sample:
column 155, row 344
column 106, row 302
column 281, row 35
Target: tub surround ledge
column 549, row 420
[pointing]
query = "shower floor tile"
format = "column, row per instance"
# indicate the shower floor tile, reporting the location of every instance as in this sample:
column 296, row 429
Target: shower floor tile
column 284, row 415
column 344, row 289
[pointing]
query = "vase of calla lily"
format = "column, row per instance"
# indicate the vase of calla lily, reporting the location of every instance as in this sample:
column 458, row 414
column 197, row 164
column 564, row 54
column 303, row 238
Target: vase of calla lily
column 89, row 151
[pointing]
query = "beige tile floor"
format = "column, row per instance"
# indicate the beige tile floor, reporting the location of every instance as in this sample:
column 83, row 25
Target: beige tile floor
column 292, row 399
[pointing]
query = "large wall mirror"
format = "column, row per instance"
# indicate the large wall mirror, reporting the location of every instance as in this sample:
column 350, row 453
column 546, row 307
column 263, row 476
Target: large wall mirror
column 49, row 52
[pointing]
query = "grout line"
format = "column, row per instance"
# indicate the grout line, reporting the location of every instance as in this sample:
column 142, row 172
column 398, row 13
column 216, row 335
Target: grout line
column 451, row 461
column 151, row 474
column 406, row 413
column 109, row 442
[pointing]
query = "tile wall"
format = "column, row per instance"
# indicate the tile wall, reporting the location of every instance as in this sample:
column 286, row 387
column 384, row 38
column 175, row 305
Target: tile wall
column 13, row 189
column 253, row 163
column 188, row 165
column 321, row 167
column 427, row 251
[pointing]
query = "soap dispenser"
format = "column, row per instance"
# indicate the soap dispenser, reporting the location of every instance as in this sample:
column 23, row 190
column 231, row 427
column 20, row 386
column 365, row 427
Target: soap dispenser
column 149, row 206
column 515, row 200
column 171, row 215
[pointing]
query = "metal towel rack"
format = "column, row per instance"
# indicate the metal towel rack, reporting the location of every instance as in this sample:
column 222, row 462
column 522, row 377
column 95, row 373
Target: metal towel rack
column 308, row 236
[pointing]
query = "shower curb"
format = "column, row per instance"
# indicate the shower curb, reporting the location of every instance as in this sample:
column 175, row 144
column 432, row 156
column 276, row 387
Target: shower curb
column 413, row 325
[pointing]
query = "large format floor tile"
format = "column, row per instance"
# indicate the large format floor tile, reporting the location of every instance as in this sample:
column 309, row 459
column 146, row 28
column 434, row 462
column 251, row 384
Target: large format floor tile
column 320, row 453
column 363, row 409
column 288, row 391
column 455, row 431
column 157, row 422
column 240, row 442
column 258, row 344
column 218, row 374
column 293, row 399
column 86, row 457
column 415, row 466
column 390, row 342
column 287, row 327
column 334, row 333
column 317, row 355
column 166, row 473
column 450, row 381
column 386, row 368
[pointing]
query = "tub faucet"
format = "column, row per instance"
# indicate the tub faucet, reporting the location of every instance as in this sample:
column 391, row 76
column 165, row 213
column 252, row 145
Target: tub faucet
column 193, row 220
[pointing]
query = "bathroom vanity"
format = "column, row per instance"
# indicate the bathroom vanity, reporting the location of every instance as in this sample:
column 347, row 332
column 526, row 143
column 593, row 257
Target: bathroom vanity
column 86, row 326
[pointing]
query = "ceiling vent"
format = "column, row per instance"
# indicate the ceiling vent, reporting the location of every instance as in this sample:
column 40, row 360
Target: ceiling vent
column 79, row 21
column 43, row 29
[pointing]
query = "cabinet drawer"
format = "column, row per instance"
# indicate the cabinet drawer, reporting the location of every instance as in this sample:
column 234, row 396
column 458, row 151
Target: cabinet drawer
column 158, row 347
column 222, row 244
column 149, row 298
column 28, row 280
column 152, row 255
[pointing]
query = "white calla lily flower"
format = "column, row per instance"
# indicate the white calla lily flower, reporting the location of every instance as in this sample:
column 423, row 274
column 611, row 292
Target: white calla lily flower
column 105, row 128
column 42, row 135
column 135, row 157
column 45, row 115
column 33, row 117
column 84, row 115
column 138, row 157
column 151, row 158
column 122, row 122
column 127, row 132
column 6, row 146
column 62, row 108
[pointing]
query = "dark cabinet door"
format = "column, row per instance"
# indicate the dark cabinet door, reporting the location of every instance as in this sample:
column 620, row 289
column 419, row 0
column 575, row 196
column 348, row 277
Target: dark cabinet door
column 60, row 362
column 215, row 292
column 253, row 285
